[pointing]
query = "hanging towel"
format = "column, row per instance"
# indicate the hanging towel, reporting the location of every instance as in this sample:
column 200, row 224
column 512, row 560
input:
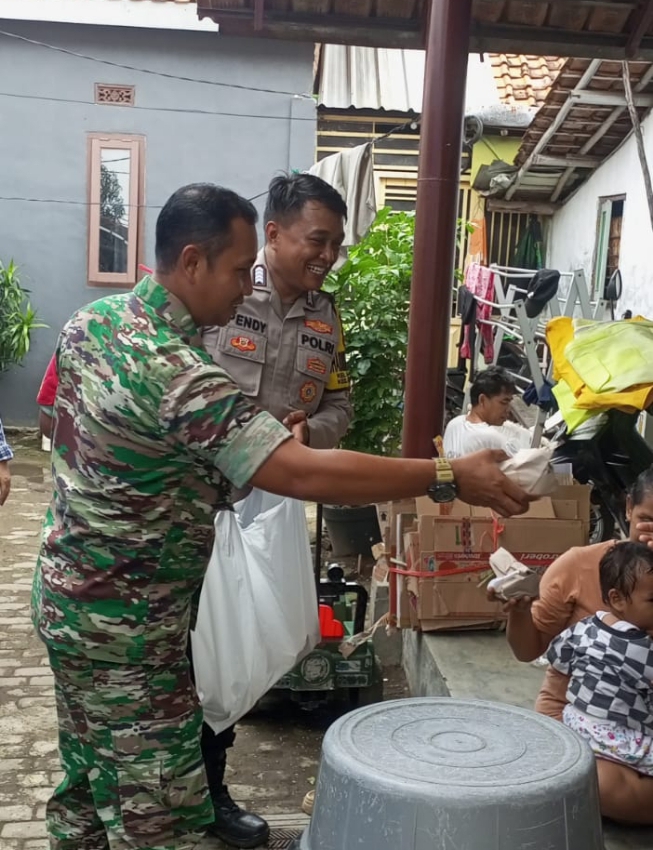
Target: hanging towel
column 351, row 172
column 479, row 280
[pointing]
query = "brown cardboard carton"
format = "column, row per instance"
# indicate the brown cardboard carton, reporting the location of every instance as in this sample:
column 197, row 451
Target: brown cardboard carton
column 449, row 625
column 448, row 543
column 450, row 546
column 380, row 570
column 454, row 553
column 567, row 502
column 456, row 597
column 387, row 513
column 404, row 603
column 411, row 552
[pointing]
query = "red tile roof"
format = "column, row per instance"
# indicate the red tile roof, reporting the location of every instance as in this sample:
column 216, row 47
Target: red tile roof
column 524, row 80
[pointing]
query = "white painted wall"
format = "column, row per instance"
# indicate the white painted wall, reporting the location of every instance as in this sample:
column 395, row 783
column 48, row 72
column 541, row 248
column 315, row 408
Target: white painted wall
column 572, row 237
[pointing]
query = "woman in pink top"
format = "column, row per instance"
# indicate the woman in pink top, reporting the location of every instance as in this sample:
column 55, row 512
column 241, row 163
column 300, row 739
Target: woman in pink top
column 569, row 592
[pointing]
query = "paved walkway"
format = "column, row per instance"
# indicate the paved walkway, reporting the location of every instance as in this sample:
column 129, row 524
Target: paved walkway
column 29, row 765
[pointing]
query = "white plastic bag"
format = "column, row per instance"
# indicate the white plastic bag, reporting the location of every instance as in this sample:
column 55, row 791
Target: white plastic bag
column 258, row 609
column 532, row 470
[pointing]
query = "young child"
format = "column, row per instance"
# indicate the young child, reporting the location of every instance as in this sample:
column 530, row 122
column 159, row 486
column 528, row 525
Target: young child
column 609, row 658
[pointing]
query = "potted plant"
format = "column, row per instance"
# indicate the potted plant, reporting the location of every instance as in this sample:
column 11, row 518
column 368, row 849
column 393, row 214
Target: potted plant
column 17, row 318
column 372, row 292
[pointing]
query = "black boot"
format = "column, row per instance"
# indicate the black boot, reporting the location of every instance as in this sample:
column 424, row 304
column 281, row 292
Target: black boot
column 232, row 824
column 235, row 826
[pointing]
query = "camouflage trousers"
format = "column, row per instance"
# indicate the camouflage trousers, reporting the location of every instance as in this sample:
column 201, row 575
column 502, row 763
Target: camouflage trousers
column 129, row 741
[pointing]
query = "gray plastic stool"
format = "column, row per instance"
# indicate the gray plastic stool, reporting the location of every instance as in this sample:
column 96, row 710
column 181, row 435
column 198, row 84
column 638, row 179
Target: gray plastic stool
column 447, row 774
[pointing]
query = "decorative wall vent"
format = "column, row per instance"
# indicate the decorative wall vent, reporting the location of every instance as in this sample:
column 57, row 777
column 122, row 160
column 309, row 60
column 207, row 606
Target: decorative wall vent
column 114, row 95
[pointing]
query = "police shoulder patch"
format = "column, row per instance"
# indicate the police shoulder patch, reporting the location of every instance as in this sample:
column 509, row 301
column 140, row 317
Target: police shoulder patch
column 308, row 392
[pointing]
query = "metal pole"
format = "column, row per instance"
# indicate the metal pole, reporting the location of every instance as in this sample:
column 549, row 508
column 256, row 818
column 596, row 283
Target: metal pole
column 435, row 223
column 318, row 544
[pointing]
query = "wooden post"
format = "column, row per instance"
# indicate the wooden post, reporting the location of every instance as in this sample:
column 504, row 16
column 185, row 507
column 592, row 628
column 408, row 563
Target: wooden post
column 639, row 138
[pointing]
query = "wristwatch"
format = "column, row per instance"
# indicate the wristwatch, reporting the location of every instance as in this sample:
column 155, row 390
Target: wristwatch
column 443, row 488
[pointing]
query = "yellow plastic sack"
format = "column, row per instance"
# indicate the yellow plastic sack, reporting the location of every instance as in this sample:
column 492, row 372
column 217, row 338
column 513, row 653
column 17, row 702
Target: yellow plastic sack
column 576, row 401
column 572, row 415
column 610, row 357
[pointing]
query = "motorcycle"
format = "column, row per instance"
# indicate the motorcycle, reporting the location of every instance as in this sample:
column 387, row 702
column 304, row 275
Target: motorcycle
column 608, row 452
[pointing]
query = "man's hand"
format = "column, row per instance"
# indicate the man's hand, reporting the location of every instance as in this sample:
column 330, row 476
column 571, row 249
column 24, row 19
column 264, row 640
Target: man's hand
column 5, row 481
column 297, row 423
column 480, row 482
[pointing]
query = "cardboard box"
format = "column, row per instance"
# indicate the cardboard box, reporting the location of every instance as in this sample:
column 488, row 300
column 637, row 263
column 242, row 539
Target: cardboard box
column 567, row 502
column 456, row 597
column 387, row 513
column 455, row 541
column 384, row 553
column 465, row 543
column 446, row 551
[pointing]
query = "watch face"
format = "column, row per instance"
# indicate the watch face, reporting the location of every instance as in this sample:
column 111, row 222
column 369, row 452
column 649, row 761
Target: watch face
column 442, row 492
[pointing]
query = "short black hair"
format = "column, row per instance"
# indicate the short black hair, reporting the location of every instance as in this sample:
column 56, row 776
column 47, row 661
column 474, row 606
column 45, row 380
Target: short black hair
column 642, row 488
column 288, row 193
column 491, row 382
column 198, row 214
column 622, row 565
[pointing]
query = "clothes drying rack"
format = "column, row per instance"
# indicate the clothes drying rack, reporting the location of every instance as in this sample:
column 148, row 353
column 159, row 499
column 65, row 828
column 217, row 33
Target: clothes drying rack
column 509, row 321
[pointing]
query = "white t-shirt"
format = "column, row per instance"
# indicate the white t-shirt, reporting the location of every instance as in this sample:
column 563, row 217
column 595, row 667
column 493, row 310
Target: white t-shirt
column 462, row 437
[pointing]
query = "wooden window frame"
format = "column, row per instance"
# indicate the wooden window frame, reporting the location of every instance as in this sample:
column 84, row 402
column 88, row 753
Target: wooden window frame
column 136, row 145
column 605, row 204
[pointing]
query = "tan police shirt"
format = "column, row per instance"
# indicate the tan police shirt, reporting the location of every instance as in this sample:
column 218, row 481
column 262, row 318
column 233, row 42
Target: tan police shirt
column 288, row 362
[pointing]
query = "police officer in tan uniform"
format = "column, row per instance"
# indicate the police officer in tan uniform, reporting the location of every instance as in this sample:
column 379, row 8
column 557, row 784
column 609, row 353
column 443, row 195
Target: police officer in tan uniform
column 284, row 348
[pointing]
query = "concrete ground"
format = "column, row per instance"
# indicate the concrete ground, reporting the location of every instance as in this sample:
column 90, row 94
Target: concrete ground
column 276, row 756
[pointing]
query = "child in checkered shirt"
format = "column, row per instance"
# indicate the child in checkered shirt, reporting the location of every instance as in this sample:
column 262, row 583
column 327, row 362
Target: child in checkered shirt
column 609, row 659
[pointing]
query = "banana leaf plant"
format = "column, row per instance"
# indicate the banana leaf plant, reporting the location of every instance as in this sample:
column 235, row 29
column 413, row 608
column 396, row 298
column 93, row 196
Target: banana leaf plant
column 18, row 318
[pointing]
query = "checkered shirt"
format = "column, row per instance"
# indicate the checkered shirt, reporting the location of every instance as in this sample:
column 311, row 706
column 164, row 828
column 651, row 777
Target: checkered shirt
column 610, row 670
column 5, row 452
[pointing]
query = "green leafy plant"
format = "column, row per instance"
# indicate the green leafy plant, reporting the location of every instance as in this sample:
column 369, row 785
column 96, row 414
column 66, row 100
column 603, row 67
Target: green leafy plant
column 372, row 291
column 17, row 318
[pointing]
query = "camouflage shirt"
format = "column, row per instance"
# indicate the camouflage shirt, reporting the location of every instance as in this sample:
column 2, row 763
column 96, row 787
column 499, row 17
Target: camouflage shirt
column 149, row 433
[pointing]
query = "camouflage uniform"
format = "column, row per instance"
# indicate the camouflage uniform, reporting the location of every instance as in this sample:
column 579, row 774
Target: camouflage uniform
column 149, row 433
column 288, row 360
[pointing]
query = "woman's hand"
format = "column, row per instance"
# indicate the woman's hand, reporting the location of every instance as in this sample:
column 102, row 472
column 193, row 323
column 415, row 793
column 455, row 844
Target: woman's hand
column 515, row 603
column 645, row 533
column 526, row 642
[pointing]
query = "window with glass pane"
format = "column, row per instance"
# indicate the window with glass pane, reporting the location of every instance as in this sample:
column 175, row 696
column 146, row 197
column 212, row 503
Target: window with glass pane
column 115, row 209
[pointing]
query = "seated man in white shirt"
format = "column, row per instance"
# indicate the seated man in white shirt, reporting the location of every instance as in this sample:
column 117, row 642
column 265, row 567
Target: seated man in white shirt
column 486, row 425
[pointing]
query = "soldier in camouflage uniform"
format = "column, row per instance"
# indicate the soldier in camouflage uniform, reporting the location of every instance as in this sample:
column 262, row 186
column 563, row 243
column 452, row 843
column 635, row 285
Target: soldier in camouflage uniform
column 149, row 434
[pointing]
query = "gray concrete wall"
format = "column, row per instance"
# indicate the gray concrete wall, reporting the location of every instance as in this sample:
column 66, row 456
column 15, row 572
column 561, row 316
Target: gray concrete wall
column 43, row 147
